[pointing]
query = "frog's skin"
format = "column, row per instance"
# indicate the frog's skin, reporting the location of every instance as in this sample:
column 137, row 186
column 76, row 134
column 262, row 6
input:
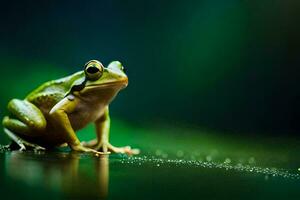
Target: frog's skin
column 49, row 116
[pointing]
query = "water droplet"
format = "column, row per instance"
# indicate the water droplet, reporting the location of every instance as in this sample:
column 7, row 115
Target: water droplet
column 179, row 153
column 164, row 155
column 227, row 160
column 158, row 152
column 266, row 177
column 208, row 158
column 251, row 160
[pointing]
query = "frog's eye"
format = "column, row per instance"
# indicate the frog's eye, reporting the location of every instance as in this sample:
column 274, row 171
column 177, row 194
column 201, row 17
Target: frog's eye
column 93, row 70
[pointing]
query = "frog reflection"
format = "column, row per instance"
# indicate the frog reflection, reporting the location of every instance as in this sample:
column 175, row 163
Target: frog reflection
column 60, row 172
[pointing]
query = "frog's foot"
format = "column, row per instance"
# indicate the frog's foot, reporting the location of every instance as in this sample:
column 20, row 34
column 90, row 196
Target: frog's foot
column 123, row 150
column 90, row 144
column 81, row 148
column 63, row 145
column 23, row 144
column 8, row 147
column 94, row 144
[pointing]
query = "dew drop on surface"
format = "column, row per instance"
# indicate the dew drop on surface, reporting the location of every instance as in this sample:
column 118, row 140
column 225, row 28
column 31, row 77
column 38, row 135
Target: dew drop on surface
column 158, row 152
column 227, row 161
column 164, row 155
column 208, row 162
column 251, row 160
column 208, row 158
column 214, row 152
column 179, row 153
column 266, row 177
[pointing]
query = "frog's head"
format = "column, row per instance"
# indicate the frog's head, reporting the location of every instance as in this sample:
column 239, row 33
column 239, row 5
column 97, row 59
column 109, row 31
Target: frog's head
column 99, row 76
column 102, row 80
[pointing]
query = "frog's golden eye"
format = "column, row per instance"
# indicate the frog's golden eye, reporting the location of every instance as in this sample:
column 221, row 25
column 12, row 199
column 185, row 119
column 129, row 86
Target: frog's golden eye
column 93, row 70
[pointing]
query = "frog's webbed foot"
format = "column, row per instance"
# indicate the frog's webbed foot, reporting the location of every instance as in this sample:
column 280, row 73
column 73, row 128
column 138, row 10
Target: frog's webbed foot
column 108, row 147
column 124, row 150
column 63, row 145
column 23, row 144
column 90, row 144
column 81, row 148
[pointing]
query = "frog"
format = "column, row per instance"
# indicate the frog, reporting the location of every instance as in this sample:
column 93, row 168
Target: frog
column 50, row 115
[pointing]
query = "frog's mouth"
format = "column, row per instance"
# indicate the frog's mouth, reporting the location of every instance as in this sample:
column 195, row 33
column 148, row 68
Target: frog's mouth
column 112, row 84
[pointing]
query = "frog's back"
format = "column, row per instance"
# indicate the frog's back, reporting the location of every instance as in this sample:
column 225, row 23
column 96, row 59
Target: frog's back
column 51, row 92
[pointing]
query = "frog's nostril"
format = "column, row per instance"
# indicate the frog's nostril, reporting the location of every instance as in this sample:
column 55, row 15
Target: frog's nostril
column 115, row 65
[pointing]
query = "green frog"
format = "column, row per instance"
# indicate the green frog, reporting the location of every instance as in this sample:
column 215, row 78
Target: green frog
column 49, row 116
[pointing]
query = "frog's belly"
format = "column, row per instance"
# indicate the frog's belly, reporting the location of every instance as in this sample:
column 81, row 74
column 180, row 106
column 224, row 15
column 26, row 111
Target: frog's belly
column 85, row 114
column 79, row 118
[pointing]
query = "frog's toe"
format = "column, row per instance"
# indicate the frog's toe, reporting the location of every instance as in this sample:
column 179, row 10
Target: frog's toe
column 80, row 148
column 123, row 150
column 15, row 138
column 90, row 144
column 38, row 148
column 23, row 148
column 23, row 144
column 63, row 145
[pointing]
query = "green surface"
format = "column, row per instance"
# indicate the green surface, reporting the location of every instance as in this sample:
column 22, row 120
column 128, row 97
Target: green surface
column 175, row 163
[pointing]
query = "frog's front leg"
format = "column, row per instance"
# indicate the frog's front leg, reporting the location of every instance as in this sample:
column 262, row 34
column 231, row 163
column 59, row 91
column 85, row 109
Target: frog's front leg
column 26, row 120
column 59, row 115
column 102, row 142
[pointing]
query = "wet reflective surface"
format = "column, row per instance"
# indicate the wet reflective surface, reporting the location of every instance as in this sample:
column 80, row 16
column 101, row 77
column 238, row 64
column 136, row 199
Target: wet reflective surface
column 57, row 173
column 202, row 166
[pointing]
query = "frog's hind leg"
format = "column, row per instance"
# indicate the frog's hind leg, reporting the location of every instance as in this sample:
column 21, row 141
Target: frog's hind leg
column 21, row 142
column 27, row 120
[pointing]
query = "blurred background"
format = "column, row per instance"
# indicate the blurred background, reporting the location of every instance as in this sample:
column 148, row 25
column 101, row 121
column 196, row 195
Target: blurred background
column 212, row 101
column 229, row 65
